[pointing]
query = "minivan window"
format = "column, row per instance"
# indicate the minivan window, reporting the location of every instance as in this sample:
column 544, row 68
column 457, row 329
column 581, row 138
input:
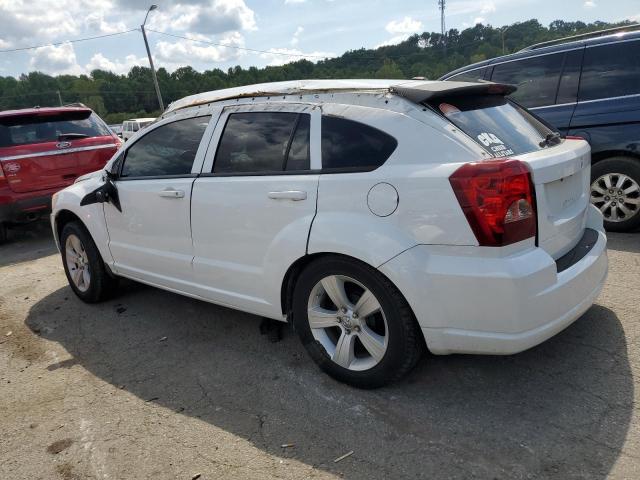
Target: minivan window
column 167, row 150
column 610, row 71
column 568, row 88
column 469, row 76
column 350, row 144
column 259, row 142
column 22, row 130
column 536, row 78
column 498, row 125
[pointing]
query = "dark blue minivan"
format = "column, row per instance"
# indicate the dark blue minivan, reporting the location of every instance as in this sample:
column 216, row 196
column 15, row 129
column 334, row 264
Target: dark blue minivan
column 587, row 86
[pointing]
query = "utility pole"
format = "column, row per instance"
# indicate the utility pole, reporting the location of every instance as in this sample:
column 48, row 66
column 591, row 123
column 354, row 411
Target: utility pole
column 59, row 97
column 153, row 69
column 443, row 28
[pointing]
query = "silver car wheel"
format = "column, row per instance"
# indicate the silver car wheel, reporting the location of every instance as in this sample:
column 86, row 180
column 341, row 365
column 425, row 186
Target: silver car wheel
column 617, row 196
column 77, row 263
column 348, row 321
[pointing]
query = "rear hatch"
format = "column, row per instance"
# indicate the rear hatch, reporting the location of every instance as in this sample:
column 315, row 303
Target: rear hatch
column 47, row 149
column 560, row 168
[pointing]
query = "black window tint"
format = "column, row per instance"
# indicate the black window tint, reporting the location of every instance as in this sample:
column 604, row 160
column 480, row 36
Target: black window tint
column 349, row 144
column 611, row 71
column 470, row 76
column 254, row 142
column 167, row 150
column 299, row 151
column 536, row 78
column 21, row 130
column 568, row 89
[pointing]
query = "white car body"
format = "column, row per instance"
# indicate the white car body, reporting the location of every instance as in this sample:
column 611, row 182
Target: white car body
column 130, row 127
column 231, row 240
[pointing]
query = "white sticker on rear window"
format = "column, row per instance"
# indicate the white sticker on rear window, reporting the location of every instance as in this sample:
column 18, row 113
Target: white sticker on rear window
column 496, row 145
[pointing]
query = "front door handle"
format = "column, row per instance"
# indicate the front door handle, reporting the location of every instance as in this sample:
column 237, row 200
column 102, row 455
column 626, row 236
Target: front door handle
column 295, row 195
column 170, row 193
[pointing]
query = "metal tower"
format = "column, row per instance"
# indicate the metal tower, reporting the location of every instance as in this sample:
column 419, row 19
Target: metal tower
column 443, row 28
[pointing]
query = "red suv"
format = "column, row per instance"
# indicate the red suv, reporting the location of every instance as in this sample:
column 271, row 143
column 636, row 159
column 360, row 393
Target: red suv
column 42, row 150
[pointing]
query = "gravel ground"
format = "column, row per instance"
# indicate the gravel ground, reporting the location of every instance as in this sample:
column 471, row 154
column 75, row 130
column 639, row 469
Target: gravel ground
column 155, row 385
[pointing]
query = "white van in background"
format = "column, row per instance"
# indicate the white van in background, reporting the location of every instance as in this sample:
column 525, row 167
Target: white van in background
column 129, row 127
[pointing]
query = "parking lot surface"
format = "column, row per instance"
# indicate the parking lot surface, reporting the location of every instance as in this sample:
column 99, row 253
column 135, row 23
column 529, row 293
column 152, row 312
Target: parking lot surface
column 156, row 385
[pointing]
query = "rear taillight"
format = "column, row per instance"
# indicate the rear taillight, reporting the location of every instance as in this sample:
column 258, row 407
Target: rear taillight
column 573, row 137
column 498, row 199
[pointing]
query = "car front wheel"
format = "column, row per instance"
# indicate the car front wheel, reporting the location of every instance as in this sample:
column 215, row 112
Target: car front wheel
column 354, row 323
column 83, row 265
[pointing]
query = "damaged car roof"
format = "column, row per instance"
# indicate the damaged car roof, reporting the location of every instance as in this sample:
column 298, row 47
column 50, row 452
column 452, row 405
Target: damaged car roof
column 414, row 90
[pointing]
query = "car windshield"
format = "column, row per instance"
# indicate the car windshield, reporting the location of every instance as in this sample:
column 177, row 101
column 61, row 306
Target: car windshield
column 500, row 126
column 23, row 130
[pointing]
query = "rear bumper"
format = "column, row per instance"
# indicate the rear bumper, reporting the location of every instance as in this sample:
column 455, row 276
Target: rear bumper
column 467, row 303
column 20, row 207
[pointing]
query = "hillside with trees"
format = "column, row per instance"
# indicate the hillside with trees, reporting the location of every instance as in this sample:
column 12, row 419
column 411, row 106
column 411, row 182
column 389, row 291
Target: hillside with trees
column 428, row 55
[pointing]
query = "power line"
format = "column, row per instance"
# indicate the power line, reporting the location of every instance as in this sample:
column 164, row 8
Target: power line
column 255, row 50
column 68, row 41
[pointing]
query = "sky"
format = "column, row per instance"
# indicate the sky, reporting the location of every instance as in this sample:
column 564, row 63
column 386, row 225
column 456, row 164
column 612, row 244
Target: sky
column 282, row 29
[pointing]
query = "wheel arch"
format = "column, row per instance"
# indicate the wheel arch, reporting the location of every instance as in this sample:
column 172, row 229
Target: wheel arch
column 604, row 154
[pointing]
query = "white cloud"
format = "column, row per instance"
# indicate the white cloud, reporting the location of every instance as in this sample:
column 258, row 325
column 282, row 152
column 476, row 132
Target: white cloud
column 100, row 62
column 173, row 55
column 293, row 2
column 488, row 7
column 55, row 60
column 407, row 25
column 296, row 35
column 590, row 4
column 95, row 21
column 281, row 56
column 478, row 20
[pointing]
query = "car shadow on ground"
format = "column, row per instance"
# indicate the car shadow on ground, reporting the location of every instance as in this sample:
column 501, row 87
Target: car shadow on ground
column 625, row 242
column 27, row 242
column 560, row 410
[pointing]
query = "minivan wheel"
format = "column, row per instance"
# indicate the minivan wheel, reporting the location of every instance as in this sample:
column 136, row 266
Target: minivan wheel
column 615, row 190
column 83, row 265
column 354, row 323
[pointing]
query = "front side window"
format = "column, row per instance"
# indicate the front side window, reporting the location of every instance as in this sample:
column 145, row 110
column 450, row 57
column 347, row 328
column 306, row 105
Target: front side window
column 536, row 79
column 259, row 142
column 349, row 144
column 469, row 76
column 167, row 150
column 610, row 71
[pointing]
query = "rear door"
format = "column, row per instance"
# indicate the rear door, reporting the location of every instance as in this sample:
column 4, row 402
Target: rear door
column 253, row 205
column 547, row 84
column 150, row 239
column 50, row 150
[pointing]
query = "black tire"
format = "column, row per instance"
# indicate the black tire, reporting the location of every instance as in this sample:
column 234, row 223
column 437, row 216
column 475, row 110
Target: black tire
column 102, row 284
column 3, row 232
column 405, row 340
column 626, row 166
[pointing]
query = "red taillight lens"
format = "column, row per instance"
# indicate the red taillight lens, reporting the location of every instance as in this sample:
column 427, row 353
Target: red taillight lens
column 573, row 137
column 498, row 199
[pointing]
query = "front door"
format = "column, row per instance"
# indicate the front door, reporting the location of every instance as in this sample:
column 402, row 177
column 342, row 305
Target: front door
column 253, row 205
column 150, row 239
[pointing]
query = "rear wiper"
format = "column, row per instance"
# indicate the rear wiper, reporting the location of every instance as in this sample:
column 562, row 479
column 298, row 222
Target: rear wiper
column 552, row 138
column 71, row 136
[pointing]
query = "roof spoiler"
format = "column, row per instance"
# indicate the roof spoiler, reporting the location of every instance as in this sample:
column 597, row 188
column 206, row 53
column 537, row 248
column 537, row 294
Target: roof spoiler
column 433, row 90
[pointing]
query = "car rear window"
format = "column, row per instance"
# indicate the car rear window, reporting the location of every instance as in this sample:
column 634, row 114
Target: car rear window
column 498, row 125
column 22, row 130
column 611, row 71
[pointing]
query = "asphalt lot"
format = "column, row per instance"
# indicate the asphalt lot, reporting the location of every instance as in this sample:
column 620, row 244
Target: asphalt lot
column 155, row 385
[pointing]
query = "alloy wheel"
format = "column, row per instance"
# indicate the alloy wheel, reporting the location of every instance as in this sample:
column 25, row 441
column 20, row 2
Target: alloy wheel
column 617, row 196
column 348, row 321
column 77, row 263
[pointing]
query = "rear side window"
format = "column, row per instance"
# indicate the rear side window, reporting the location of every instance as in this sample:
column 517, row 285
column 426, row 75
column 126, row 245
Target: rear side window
column 536, row 79
column 259, row 142
column 23, row 130
column 349, row 144
column 610, row 71
column 499, row 126
column 469, row 76
column 167, row 150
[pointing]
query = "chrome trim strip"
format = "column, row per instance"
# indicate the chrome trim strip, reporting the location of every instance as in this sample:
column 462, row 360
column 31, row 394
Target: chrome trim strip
column 553, row 105
column 58, row 152
column 620, row 97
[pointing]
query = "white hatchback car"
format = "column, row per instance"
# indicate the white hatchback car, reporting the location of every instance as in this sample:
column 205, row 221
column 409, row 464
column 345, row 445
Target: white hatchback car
column 377, row 216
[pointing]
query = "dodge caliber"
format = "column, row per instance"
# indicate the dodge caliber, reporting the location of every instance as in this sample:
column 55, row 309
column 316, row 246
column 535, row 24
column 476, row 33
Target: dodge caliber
column 380, row 218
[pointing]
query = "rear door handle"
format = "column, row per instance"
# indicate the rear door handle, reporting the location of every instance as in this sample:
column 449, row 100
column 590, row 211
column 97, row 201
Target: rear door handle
column 295, row 195
column 170, row 193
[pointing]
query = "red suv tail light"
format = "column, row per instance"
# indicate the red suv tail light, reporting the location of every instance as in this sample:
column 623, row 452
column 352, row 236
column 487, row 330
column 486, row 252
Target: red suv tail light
column 498, row 199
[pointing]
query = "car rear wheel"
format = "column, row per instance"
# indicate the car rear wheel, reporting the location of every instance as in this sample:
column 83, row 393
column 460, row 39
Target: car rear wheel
column 615, row 190
column 83, row 265
column 354, row 323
